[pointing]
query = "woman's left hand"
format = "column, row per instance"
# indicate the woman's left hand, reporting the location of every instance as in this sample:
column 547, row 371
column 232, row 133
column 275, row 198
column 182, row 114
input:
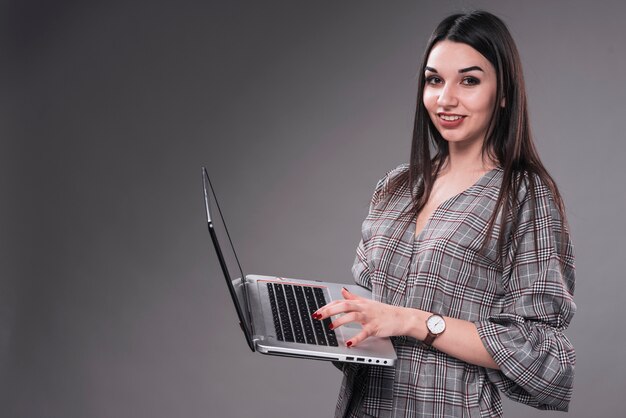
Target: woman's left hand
column 377, row 318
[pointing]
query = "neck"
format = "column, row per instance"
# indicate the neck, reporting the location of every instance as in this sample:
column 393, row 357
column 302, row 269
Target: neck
column 464, row 160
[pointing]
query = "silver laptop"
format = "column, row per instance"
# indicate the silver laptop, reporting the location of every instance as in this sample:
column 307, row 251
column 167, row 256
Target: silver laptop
column 275, row 312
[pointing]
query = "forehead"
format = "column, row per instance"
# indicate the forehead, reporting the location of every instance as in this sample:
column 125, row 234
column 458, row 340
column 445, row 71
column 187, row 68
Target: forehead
column 449, row 55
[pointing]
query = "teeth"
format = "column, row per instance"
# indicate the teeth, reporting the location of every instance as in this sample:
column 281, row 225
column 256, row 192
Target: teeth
column 450, row 118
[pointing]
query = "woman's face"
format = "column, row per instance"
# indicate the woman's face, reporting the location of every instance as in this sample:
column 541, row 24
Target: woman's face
column 460, row 92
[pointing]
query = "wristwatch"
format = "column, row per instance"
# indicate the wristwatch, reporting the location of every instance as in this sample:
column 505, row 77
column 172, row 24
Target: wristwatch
column 436, row 325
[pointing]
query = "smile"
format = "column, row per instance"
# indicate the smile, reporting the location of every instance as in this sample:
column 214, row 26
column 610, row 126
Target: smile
column 450, row 118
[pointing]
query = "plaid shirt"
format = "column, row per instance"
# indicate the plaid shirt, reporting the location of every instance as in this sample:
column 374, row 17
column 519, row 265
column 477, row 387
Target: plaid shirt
column 520, row 301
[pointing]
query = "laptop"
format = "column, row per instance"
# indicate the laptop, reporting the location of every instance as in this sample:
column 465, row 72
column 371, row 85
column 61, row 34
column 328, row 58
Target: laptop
column 275, row 312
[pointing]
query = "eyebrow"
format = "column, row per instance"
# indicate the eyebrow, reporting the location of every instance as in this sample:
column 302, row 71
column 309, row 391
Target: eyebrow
column 462, row 70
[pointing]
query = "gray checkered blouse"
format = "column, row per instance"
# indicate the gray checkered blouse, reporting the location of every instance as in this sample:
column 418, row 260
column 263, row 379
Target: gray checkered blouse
column 520, row 300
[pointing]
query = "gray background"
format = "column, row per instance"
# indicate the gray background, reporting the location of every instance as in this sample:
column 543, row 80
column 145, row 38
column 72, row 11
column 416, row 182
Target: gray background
column 111, row 300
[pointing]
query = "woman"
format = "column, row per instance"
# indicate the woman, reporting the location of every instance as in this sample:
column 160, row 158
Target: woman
column 466, row 251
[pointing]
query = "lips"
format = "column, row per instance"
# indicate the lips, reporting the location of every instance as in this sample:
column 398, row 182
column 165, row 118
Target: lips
column 449, row 121
column 450, row 118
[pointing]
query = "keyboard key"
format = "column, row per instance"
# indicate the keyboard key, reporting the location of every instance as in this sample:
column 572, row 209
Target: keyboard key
column 294, row 314
column 305, row 316
column 292, row 307
column 275, row 317
column 283, row 313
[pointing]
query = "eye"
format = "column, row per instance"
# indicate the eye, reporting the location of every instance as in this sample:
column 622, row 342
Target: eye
column 470, row 81
column 433, row 80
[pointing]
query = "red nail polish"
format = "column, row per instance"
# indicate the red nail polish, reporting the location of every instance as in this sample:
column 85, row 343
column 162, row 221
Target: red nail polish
column 349, row 343
column 316, row 316
column 331, row 326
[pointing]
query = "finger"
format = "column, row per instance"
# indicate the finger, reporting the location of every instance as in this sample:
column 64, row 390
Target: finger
column 334, row 309
column 354, row 341
column 319, row 314
column 349, row 295
column 345, row 319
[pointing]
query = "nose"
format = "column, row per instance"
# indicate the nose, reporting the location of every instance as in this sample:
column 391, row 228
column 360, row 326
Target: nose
column 448, row 96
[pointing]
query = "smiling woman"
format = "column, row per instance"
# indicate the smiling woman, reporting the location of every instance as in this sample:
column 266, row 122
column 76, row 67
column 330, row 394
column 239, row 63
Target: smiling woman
column 460, row 92
column 466, row 251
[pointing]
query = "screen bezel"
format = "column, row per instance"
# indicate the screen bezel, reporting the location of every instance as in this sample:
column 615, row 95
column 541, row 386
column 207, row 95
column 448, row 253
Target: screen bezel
column 244, row 319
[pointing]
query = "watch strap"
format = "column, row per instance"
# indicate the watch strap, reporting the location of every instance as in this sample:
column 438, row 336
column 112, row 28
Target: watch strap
column 429, row 339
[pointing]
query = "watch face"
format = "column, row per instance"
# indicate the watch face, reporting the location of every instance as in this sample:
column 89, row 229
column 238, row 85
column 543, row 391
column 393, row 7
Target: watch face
column 436, row 325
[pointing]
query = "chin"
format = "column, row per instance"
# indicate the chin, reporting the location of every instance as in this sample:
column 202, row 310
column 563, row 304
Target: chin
column 459, row 139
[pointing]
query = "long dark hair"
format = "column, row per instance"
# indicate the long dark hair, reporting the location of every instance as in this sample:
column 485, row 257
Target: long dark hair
column 508, row 140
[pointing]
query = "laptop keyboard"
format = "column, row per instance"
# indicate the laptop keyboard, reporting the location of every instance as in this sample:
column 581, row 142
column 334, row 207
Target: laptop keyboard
column 292, row 307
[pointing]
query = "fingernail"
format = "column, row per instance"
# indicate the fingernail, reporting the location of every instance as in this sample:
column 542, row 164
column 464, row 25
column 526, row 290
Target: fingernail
column 316, row 315
column 345, row 289
column 349, row 343
column 331, row 326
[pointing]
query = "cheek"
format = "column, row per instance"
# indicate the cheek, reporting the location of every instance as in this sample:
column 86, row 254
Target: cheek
column 430, row 100
column 481, row 102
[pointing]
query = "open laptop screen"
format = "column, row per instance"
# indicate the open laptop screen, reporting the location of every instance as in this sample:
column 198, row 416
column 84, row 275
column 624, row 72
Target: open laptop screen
column 226, row 255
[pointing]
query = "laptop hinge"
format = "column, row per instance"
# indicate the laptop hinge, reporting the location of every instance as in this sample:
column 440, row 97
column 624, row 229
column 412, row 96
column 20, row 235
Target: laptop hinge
column 248, row 307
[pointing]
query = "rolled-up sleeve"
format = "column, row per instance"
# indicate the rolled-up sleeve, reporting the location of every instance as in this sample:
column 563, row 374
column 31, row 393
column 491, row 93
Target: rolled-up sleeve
column 525, row 335
column 360, row 268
